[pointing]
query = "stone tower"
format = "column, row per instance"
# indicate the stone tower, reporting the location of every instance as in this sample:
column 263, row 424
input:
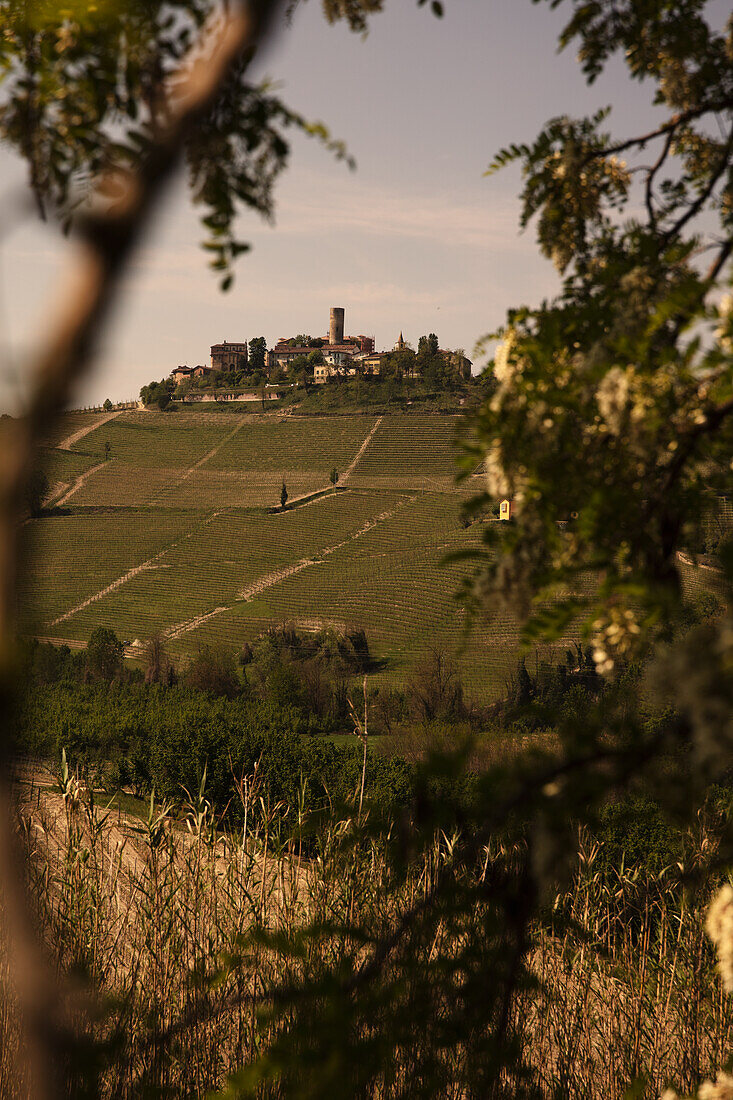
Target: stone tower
column 336, row 328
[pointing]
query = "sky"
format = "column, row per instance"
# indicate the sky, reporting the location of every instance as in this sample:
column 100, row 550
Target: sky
column 416, row 239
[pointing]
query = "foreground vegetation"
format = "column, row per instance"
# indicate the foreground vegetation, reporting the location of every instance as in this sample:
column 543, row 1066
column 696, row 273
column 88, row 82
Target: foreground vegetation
column 181, row 925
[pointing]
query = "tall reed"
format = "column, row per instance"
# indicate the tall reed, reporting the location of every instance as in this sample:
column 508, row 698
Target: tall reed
column 157, row 917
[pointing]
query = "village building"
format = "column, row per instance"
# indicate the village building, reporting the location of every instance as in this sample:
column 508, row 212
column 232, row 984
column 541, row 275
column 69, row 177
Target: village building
column 340, row 355
column 371, row 363
column 229, row 356
column 460, row 363
column 337, row 350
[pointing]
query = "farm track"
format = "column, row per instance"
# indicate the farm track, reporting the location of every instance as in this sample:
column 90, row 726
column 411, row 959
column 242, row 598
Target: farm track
column 278, row 575
column 350, row 469
column 191, row 624
column 78, row 483
column 149, row 564
column 68, row 443
column 178, row 481
column 687, row 560
column 302, row 501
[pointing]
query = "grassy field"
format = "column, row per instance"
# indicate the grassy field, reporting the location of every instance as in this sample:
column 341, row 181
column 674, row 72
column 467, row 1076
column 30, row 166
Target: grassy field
column 172, row 534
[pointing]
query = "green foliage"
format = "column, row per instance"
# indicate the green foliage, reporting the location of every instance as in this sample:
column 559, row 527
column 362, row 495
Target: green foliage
column 257, row 352
column 151, row 737
column 37, row 489
column 158, row 393
column 104, row 654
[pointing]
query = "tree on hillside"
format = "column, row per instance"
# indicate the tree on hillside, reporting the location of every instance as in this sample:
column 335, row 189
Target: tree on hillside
column 427, row 346
column 299, row 369
column 398, row 364
column 159, row 668
column 37, row 491
column 257, row 352
column 157, row 394
column 283, row 494
column 104, row 654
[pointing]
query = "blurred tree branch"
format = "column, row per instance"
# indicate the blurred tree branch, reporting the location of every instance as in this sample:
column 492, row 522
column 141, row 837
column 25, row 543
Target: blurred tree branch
column 105, row 238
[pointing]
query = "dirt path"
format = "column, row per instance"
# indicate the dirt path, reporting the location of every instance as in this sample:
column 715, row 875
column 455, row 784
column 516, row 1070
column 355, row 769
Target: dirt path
column 191, row 624
column 57, row 489
column 315, row 496
column 687, row 560
column 271, row 579
column 149, row 564
column 178, row 481
column 68, row 443
column 342, row 480
column 81, row 480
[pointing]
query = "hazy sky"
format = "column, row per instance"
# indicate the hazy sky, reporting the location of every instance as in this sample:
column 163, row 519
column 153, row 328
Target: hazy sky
column 416, row 239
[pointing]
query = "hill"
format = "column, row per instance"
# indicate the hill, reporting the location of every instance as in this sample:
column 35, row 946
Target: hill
column 170, row 522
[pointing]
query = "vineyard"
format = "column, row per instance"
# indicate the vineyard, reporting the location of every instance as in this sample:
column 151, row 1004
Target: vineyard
column 170, row 523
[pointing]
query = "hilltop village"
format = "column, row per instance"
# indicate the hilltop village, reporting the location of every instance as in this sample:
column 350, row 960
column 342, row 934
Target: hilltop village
column 239, row 368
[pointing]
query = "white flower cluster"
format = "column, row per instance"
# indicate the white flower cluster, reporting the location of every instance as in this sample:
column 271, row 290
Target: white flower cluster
column 719, row 1089
column 497, row 482
column 503, row 367
column 74, row 792
column 613, row 636
column 724, row 331
column 719, row 927
column 612, row 398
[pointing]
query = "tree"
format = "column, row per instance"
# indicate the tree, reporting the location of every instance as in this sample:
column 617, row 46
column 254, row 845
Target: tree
column 427, row 346
column 283, row 495
column 107, row 450
column 156, row 393
column 257, row 352
column 37, row 491
column 159, row 668
column 104, row 654
column 334, row 476
column 107, row 404
column 213, row 671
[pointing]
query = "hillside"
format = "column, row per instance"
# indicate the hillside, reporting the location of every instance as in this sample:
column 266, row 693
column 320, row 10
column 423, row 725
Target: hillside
column 160, row 522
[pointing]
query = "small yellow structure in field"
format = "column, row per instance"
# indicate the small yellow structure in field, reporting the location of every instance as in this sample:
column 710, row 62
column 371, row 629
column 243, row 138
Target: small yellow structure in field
column 506, row 509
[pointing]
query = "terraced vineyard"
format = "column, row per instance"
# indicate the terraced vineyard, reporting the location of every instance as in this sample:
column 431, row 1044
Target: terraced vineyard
column 169, row 529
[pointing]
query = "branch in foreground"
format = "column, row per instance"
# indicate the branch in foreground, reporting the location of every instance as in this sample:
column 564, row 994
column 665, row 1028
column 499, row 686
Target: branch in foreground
column 106, row 242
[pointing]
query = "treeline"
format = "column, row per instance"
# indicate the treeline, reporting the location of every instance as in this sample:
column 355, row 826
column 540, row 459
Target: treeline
column 156, row 728
column 124, row 730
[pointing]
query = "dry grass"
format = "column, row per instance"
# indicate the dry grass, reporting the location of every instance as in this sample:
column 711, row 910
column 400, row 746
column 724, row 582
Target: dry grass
column 148, row 909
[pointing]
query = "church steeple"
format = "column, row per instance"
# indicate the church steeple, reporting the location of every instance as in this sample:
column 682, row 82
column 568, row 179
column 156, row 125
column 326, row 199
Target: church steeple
column 400, row 345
